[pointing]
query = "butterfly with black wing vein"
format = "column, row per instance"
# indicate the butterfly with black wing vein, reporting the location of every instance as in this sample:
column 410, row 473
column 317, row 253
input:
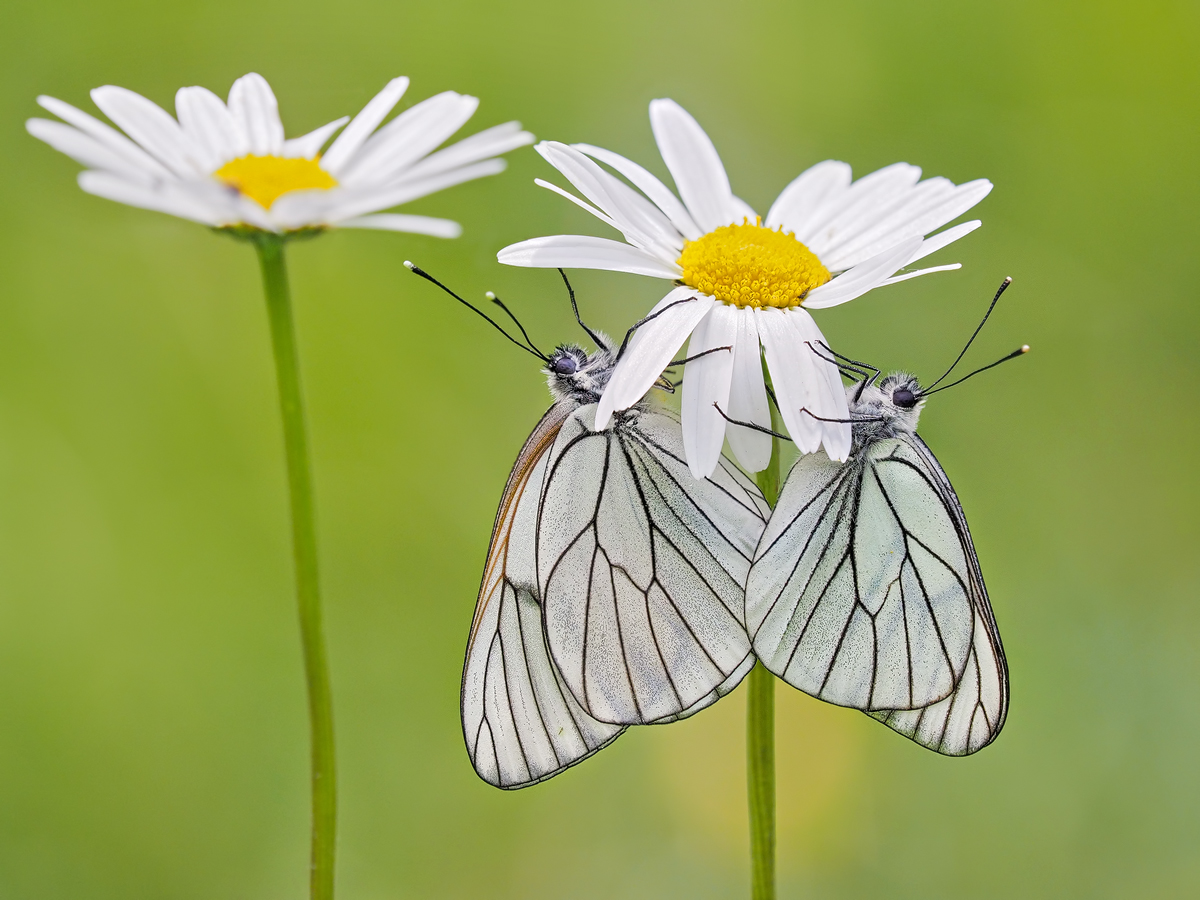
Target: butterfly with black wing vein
column 613, row 589
column 866, row 589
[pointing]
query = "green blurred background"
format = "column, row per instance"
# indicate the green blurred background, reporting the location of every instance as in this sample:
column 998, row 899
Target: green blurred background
column 152, row 719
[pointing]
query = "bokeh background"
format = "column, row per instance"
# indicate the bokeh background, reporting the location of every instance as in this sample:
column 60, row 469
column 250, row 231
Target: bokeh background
column 152, row 719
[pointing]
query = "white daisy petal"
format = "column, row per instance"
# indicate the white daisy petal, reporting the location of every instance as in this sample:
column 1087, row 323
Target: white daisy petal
column 858, row 206
column 253, row 104
column 694, row 163
column 884, row 215
column 649, row 185
column 652, row 346
column 863, row 277
column 943, row 238
column 85, row 149
column 408, row 137
column 309, row 145
column 106, row 135
column 350, row 203
column 640, row 221
column 443, row 228
column 578, row 251
column 210, row 127
column 748, row 398
column 706, row 381
column 582, row 204
column 151, row 126
column 831, row 402
column 896, row 279
column 807, row 196
column 940, row 202
column 489, row 142
column 168, row 197
column 796, row 381
column 362, row 125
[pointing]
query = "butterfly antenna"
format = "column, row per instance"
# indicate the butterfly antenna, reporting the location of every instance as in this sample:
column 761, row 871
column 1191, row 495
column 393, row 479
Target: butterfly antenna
column 596, row 339
column 853, row 364
column 417, row 270
column 1003, row 287
column 500, row 303
column 1020, row 351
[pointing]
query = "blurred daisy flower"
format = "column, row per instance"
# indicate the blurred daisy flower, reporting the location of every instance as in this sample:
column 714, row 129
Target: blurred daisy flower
column 743, row 282
column 229, row 165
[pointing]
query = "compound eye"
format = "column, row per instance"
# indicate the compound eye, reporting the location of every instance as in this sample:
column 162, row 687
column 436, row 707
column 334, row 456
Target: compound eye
column 904, row 398
column 565, row 365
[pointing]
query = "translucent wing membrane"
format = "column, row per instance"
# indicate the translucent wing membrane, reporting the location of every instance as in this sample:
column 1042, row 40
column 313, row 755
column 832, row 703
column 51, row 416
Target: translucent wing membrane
column 865, row 592
column 641, row 568
column 520, row 722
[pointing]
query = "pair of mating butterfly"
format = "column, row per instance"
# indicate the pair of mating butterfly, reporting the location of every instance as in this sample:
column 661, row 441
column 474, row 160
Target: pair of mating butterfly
column 620, row 590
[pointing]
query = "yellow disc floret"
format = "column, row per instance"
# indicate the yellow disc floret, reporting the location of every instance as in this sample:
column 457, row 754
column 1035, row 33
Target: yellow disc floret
column 749, row 265
column 265, row 179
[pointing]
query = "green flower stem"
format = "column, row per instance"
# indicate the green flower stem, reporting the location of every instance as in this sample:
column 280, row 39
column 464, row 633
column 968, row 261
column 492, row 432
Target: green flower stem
column 304, row 549
column 760, row 729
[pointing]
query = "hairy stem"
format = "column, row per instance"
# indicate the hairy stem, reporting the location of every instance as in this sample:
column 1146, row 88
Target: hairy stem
column 304, row 549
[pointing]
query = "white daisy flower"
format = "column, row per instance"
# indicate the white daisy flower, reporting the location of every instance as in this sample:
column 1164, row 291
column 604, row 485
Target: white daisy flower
column 229, row 164
column 744, row 282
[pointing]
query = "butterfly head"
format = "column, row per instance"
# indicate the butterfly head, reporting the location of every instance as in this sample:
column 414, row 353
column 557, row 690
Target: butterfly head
column 574, row 374
column 888, row 408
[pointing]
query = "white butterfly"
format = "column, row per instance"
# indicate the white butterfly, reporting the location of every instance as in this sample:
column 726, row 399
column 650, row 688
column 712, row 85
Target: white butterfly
column 866, row 590
column 614, row 585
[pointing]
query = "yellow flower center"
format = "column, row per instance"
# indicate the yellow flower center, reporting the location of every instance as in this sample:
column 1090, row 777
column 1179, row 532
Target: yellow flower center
column 265, row 179
column 749, row 265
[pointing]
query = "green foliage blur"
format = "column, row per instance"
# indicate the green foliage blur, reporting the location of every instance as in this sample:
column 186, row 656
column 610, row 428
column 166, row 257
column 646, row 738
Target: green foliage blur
column 152, row 718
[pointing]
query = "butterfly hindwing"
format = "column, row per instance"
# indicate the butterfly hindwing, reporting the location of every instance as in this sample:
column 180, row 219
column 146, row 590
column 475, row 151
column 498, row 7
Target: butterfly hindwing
column 521, row 723
column 971, row 717
column 642, row 567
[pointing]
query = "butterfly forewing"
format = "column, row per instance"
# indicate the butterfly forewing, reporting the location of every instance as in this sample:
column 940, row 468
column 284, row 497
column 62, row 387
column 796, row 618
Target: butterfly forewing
column 859, row 592
column 642, row 568
column 521, row 723
column 866, row 592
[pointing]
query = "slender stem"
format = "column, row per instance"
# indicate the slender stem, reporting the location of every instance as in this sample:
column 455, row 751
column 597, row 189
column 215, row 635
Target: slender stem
column 760, row 728
column 304, row 549
column 760, row 777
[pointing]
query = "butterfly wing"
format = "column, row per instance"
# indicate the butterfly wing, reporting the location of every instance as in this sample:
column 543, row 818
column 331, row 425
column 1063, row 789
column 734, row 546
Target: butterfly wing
column 866, row 592
column 859, row 592
column 520, row 722
column 971, row 717
column 642, row 568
